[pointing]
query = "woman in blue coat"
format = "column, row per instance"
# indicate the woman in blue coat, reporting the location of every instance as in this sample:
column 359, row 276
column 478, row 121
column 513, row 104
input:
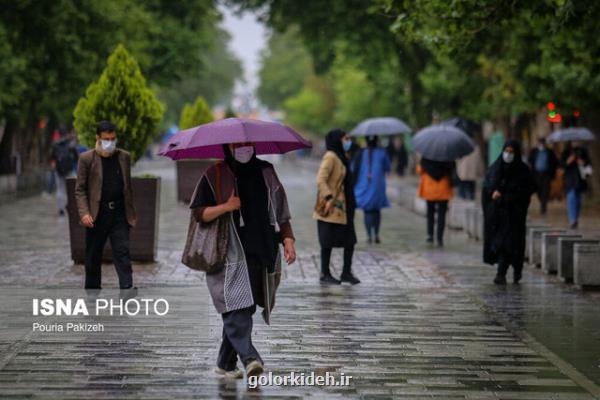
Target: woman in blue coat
column 370, row 166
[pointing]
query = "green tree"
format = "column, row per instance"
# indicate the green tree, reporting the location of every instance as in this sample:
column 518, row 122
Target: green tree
column 285, row 66
column 312, row 108
column 121, row 96
column 195, row 114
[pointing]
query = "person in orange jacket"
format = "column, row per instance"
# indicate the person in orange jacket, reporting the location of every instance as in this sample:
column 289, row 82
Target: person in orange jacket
column 436, row 188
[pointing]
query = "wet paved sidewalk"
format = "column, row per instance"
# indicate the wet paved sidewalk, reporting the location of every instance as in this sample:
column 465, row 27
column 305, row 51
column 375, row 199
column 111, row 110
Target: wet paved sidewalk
column 424, row 322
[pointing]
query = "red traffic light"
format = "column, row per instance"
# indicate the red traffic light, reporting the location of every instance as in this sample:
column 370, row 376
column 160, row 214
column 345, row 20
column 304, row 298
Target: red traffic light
column 551, row 106
column 576, row 113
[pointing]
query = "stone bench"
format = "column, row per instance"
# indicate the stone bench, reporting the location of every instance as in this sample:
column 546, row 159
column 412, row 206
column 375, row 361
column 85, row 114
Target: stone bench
column 549, row 243
column 535, row 247
column 586, row 265
column 564, row 249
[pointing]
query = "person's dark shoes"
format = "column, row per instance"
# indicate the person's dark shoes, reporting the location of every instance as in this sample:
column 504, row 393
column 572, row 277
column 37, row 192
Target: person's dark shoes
column 369, row 240
column 500, row 280
column 128, row 293
column 61, row 212
column 327, row 279
column 574, row 225
column 429, row 239
column 377, row 240
column 349, row 278
column 440, row 243
column 517, row 278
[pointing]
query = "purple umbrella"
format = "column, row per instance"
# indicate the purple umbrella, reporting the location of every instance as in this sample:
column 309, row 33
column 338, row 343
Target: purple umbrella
column 205, row 141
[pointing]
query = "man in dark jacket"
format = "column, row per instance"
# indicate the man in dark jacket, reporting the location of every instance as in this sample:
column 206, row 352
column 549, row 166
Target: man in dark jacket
column 105, row 204
column 543, row 163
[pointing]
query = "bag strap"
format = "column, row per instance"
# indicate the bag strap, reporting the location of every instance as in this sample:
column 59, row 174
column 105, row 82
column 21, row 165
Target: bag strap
column 218, row 182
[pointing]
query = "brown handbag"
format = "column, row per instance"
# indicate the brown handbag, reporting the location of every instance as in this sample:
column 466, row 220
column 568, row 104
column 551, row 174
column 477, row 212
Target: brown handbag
column 321, row 204
column 206, row 244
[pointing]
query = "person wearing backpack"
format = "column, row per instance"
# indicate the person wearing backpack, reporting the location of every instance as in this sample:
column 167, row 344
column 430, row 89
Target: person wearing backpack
column 64, row 159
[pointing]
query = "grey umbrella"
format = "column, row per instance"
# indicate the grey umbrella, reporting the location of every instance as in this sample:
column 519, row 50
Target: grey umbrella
column 380, row 126
column 571, row 134
column 442, row 143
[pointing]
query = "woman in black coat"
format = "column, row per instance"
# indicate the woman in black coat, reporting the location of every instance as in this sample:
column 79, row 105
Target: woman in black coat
column 506, row 194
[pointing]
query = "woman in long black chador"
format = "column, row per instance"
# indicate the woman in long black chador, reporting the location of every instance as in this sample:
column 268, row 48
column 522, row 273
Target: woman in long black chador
column 505, row 199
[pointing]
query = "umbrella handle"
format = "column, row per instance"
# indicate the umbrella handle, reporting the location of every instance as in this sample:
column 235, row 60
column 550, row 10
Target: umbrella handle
column 237, row 192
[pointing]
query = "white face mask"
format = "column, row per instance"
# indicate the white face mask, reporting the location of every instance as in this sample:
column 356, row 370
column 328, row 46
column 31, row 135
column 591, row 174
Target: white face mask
column 243, row 154
column 508, row 157
column 108, row 145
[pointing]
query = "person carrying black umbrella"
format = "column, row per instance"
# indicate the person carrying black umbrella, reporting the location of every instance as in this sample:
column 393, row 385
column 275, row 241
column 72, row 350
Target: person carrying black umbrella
column 505, row 198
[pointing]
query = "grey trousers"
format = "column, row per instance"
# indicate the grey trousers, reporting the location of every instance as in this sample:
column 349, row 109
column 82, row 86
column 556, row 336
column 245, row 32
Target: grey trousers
column 237, row 339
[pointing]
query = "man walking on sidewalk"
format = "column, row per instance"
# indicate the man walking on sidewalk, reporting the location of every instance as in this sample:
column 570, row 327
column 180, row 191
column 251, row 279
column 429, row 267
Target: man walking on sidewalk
column 105, row 204
column 543, row 162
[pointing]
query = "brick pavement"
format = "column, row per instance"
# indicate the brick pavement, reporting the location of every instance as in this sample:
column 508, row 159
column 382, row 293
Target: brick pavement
column 423, row 324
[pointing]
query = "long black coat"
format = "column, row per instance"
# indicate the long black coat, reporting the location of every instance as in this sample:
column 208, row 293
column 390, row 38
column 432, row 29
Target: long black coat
column 505, row 218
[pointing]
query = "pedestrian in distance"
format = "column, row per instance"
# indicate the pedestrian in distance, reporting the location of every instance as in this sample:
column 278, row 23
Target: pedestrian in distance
column 543, row 163
column 469, row 169
column 64, row 160
column 435, row 187
column 335, row 207
column 105, row 204
column 505, row 198
column 576, row 163
column 369, row 168
column 247, row 192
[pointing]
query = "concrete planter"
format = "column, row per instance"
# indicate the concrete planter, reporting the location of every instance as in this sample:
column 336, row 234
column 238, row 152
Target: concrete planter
column 528, row 248
column 143, row 239
column 188, row 174
column 535, row 246
column 564, row 250
column 549, row 243
column 586, row 269
column 457, row 214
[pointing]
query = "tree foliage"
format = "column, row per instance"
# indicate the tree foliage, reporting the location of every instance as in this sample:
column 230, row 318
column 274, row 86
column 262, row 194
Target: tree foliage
column 51, row 50
column 120, row 95
column 195, row 114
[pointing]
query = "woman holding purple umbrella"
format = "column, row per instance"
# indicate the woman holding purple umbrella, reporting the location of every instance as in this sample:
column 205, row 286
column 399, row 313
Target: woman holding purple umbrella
column 253, row 196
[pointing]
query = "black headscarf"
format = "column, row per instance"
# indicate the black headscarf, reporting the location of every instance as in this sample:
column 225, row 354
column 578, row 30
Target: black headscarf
column 257, row 235
column 505, row 218
column 333, row 142
column 436, row 169
column 503, row 172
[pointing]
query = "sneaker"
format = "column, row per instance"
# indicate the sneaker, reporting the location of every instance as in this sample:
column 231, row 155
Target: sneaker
column 369, row 241
column 377, row 240
column 329, row 280
column 429, row 239
column 500, row 280
column 233, row 374
column 349, row 278
column 254, row 368
column 440, row 243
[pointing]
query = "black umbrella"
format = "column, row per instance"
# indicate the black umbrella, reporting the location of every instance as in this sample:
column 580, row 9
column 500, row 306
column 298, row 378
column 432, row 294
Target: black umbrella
column 442, row 143
column 464, row 124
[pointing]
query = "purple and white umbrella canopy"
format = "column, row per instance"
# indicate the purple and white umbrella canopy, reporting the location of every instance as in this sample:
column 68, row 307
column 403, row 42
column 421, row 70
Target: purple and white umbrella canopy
column 206, row 141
